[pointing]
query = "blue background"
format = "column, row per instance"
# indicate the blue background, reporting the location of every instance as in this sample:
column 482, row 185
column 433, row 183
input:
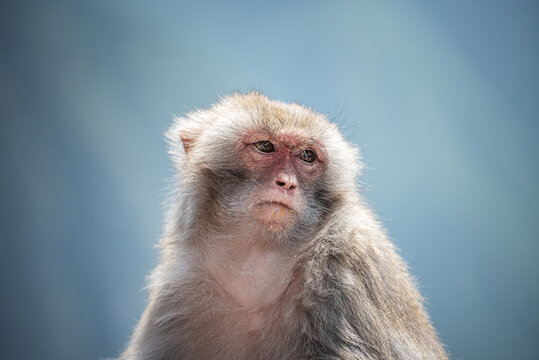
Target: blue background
column 443, row 98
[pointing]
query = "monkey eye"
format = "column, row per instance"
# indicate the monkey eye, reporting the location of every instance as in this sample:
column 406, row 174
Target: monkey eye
column 307, row 155
column 265, row 146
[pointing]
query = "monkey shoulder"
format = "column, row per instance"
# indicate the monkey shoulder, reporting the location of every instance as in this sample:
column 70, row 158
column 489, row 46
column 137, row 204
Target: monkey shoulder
column 360, row 301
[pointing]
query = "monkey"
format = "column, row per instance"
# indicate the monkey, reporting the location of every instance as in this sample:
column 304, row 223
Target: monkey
column 270, row 251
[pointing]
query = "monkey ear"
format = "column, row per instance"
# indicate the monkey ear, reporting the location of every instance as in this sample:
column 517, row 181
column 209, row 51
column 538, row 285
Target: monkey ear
column 189, row 129
column 187, row 138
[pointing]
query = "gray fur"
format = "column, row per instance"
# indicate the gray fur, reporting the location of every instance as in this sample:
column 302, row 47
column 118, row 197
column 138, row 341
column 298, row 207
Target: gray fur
column 336, row 287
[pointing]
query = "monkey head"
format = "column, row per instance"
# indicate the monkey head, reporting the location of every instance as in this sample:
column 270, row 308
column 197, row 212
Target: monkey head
column 271, row 166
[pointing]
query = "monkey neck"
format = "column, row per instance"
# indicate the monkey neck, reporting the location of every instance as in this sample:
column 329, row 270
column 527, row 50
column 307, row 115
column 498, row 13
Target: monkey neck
column 257, row 279
column 250, row 271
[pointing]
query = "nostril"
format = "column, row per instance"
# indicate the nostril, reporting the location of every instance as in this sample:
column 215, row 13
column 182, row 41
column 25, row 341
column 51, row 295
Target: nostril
column 285, row 184
column 285, row 181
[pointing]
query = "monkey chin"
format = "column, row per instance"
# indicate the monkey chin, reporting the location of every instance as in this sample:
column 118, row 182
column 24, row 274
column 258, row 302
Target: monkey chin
column 274, row 216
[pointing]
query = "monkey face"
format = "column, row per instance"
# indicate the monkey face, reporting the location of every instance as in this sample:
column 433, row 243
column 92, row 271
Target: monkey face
column 284, row 166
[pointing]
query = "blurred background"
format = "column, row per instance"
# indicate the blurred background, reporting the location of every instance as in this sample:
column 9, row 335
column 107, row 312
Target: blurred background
column 442, row 97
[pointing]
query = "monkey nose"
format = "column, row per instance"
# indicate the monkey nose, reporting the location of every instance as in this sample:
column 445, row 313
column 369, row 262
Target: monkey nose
column 286, row 181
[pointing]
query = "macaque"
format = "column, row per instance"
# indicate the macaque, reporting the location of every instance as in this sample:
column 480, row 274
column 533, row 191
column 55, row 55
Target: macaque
column 269, row 250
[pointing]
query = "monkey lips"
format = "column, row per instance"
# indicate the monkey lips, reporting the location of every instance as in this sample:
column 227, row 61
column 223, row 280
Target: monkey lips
column 273, row 213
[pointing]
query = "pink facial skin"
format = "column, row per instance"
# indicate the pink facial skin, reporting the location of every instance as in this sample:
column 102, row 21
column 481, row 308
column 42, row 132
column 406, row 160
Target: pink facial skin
column 284, row 176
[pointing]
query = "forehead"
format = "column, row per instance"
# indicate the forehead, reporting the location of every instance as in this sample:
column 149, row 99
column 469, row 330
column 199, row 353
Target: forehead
column 291, row 137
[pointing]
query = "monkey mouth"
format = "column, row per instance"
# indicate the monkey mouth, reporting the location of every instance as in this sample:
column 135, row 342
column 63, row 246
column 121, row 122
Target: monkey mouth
column 276, row 203
column 272, row 212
